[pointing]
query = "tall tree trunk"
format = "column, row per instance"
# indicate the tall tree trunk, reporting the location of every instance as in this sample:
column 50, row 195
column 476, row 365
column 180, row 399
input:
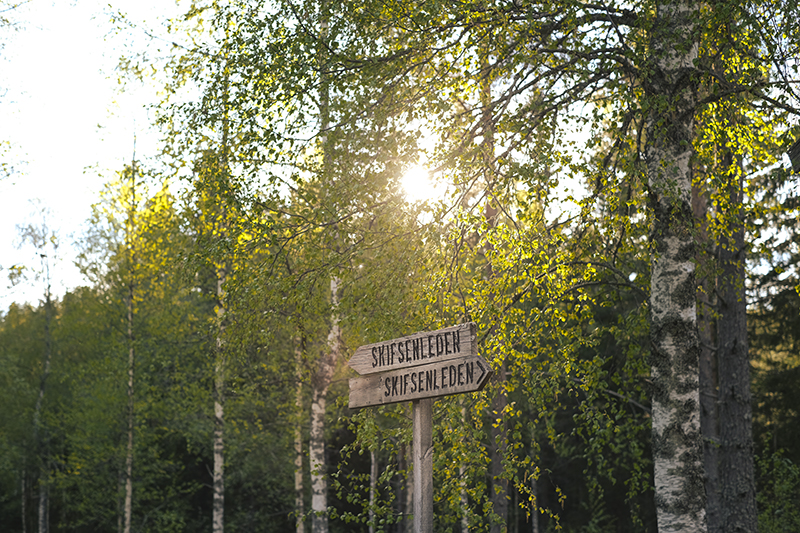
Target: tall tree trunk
column 40, row 438
column 497, row 449
column 373, row 487
column 43, row 493
column 676, row 437
column 316, row 445
column 218, row 509
column 736, row 441
column 408, row 505
column 128, row 503
column 462, row 472
column 299, row 507
column 330, row 354
column 499, row 495
column 220, row 356
column 404, row 491
column 316, row 448
column 707, row 329
column 23, row 510
column 535, row 507
column 120, row 499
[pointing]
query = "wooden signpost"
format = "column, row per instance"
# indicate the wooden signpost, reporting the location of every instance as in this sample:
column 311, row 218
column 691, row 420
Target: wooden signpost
column 418, row 368
column 465, row 374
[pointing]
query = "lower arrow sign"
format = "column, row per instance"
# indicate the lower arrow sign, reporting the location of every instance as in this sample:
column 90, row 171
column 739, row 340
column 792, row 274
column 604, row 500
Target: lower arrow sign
column 466, row 374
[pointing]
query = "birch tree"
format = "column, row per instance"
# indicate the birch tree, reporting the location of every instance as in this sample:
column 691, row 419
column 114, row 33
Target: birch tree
column 45, row 242
column 680, row 497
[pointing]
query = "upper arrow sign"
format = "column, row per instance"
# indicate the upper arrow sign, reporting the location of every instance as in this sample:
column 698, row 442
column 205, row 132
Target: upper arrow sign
column 421, row 348
column 462, row 374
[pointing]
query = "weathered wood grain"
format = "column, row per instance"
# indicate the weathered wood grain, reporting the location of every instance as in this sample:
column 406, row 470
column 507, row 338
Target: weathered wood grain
column 420, row 348
column 442, row 378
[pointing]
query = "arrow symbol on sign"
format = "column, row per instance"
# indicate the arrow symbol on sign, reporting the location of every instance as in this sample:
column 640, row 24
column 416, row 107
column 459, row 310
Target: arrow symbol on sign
column 433, row 380
column 483, row 371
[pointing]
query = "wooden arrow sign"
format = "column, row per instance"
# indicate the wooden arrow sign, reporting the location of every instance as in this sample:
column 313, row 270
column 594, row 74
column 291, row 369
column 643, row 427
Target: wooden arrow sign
column 454, row 342
column 442, row 378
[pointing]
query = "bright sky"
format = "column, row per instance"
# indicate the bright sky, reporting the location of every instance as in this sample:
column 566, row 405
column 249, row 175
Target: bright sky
column 69, row 124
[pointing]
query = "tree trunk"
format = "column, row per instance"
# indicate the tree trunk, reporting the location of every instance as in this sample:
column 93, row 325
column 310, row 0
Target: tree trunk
column 316, row 445
column 23, row 510
column 316, row 448
column 218, row 509
column 499, row 485
column 404, row 491
column 707, row 328
column 127, row 510
column 43, row 493
column 736, row 441
column 373, row 487
column 330, row 355
column 534, row 507
column 676, row 437
column 120, row 499
column 128, row 504
column 40, row 439
column 298, row 442
column 408, row 516
column 223, row 268
column 462, row 472
column 497, row 449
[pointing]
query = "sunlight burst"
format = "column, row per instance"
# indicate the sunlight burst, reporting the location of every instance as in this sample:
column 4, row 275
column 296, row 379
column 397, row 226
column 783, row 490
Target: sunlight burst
column 418, row 185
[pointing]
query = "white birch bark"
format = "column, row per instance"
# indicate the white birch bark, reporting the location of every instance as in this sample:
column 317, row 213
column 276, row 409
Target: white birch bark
column 218, row 500
column 43, row 504
column 298, row 481
column 316, row 454
column 677, row 450
column 327, row 363
column 127, row 506
column 535, row 507
column 43, row 525
column 218, row 509
column 316, row 446
column 299, row 506
column 39, row 237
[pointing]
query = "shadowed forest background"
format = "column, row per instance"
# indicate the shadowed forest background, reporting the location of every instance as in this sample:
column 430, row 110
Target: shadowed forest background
column 617, row 212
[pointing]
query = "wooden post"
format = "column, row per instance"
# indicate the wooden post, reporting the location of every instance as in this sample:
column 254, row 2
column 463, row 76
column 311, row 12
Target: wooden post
column 423, row 465
column 419, row 367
